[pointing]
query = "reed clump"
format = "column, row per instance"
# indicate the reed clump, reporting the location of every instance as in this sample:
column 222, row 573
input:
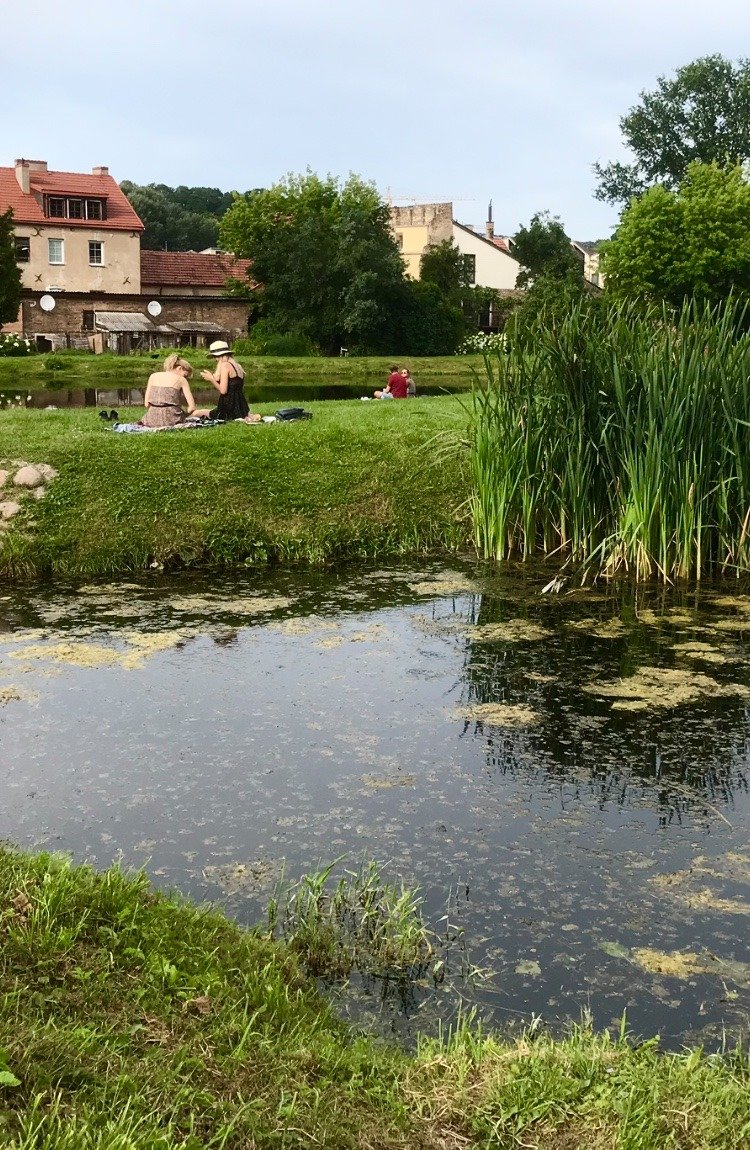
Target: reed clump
column 362, row 922
column 619, row 439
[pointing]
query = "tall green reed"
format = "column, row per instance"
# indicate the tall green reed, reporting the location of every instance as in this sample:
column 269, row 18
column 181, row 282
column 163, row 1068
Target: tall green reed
column 619, row 439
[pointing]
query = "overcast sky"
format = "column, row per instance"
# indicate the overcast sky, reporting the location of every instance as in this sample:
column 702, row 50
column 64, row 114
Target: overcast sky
column 432, row 100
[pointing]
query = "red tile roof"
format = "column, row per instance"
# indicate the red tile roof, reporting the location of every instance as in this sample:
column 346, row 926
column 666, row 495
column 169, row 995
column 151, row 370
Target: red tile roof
column 191, row 269
column 27, row 207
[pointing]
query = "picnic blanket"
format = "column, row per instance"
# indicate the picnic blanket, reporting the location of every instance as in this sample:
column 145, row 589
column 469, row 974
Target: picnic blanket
column 188, row 425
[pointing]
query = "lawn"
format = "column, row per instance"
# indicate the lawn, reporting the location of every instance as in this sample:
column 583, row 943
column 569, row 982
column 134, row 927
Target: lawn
column 359, row 480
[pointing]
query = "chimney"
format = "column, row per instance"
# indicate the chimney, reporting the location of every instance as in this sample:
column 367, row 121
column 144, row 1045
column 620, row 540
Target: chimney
column 22, row 175
column 489, row 227
column 101, row 170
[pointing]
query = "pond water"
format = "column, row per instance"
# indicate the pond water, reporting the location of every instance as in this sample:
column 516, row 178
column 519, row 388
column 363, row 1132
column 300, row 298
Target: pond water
column 278, row 392
column 565, row 777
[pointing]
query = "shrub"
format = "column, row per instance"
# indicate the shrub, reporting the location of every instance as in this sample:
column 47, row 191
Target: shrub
column 15, row 345
column 264, row 340
column 483, row 342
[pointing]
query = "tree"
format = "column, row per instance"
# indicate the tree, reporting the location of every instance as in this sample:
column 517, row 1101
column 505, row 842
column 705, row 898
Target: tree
column 543, row 248
column 702, row 114
column 445, row 265
column 427, row 322
column 170, row 220
column 10, row 275
column 325, row 255
column 693, row 241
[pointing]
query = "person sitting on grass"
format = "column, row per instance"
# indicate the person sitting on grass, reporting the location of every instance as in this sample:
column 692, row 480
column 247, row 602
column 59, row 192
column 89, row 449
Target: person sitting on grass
column 396, row 386
column 167, row 392
column 411, row 387
column 229, row 381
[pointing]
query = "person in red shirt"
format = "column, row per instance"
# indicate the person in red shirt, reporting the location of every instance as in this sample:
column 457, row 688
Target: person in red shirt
column 396, row 388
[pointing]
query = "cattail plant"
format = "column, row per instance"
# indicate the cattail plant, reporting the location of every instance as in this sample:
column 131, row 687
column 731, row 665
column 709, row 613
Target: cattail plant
column 620, row 440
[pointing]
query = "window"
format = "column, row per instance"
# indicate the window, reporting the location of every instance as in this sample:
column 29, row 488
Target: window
column 470, row 264
column 400, row 240
column 96, row 252
column 87, row 321
column 56, row 251
column 75, row 208
column 23, row 249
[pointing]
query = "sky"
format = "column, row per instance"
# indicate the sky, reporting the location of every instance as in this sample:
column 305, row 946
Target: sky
column 470, row 102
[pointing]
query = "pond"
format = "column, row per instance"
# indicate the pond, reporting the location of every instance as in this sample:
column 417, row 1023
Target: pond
column 278, row 392
column 564, row 776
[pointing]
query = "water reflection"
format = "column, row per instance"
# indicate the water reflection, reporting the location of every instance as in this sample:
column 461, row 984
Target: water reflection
column 578, row 822
column 278, row 392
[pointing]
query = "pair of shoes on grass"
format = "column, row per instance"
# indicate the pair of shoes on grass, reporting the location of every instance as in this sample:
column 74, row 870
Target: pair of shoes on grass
column 111, row 415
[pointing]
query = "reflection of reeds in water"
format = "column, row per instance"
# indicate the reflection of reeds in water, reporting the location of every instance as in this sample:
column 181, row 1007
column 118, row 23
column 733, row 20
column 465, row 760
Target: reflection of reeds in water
column 629, row 704
column 620, row 440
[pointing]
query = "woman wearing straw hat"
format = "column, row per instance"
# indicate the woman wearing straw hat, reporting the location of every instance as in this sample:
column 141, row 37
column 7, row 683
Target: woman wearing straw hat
column 229, row 381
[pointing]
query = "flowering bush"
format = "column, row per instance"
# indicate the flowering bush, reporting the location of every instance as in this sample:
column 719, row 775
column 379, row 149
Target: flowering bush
column 15, row 345
column 483, row 342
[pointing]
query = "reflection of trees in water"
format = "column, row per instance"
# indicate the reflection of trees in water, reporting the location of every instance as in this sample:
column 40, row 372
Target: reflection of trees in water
column 664, row 758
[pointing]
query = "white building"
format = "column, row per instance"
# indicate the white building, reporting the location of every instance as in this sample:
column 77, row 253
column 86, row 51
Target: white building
column 419, row 226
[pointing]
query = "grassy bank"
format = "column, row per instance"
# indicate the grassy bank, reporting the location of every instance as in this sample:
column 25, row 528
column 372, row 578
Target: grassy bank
column 131, row 1021
column 358, row 480
column 81, row 370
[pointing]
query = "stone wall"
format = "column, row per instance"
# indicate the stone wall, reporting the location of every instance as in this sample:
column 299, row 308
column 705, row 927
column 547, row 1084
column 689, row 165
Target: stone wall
column 228, row 314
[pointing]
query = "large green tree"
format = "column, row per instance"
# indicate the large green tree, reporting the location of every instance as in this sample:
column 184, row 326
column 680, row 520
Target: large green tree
column 325, row 255
column 693, row 241
column 543, row 248
column 10, row 275
column 178, row 219
column 700, row 114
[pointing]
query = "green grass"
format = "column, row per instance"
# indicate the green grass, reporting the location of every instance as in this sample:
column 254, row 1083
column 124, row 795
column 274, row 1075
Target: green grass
column 81, row 370
column 357, row 481
column 134, row 1021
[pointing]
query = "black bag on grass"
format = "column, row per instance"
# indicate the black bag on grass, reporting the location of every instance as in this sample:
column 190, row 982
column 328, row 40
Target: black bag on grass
column 287, row 414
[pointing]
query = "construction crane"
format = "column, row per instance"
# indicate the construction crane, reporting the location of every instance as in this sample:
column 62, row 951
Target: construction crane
column 390, row 196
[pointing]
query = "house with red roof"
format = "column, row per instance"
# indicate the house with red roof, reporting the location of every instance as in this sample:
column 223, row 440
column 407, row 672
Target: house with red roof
column 78, row 245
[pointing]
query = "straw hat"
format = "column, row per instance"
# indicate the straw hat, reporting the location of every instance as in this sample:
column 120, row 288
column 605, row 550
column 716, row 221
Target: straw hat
column 219, row 347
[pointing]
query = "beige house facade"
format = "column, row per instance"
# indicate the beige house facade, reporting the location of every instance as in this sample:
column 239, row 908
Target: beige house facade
column 419, row 226
column 83, row 274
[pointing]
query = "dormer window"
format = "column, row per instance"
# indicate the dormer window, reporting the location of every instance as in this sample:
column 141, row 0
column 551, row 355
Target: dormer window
column 75, row 208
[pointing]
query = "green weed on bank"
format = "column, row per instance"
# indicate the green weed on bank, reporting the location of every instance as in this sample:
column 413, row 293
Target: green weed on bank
column 133, row 1021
